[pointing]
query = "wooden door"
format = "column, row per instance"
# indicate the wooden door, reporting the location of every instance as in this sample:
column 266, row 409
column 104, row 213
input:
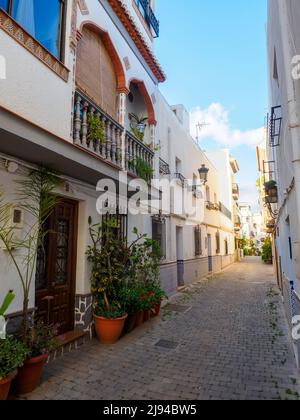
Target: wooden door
column 56, row 268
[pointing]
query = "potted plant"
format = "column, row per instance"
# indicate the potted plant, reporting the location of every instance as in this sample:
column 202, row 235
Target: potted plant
column 138, row 126
column 130, row 298
column 271, row 192
column 158, row 295
column 109, row 256
column 12, row 356
column 271, row 187
column 35, row 197
column 41, row 340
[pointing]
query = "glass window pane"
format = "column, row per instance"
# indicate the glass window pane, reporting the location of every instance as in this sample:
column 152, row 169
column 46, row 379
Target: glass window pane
column 41, row 19
column 3, row 4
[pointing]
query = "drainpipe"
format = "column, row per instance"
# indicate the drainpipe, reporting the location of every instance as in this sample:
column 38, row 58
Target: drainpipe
column 292, row 103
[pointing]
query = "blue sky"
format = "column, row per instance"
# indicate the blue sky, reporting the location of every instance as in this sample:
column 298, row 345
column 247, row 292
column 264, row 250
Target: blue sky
column 214, row 54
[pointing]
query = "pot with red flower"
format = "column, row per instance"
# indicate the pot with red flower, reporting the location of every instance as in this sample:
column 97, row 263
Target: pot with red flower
column 157, row 296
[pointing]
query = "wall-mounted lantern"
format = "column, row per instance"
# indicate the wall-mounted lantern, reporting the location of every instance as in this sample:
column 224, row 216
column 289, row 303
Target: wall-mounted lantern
column 203, row 172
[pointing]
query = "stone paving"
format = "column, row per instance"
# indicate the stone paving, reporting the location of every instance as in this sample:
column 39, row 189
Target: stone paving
column 229, row 341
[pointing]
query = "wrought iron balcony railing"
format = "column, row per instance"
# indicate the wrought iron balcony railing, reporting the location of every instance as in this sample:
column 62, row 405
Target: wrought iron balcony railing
column 149, row 15
column 275, row 124
column 180, row 177
column 164, row 168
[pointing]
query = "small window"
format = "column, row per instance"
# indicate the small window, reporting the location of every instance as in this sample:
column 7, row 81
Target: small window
column 43, row 20
column 291, row 248
column 17, row 217
column 218, row 250
column 208, row 194
column 275, row 67
column 159, row 235
column 198, row 241
column 226, row 247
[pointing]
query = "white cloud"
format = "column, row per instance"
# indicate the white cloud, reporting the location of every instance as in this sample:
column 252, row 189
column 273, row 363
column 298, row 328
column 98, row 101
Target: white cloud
column 249, row 194
column 219, row 128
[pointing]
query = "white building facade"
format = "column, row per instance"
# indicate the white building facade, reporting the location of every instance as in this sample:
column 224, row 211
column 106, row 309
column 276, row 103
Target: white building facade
column 283, row 146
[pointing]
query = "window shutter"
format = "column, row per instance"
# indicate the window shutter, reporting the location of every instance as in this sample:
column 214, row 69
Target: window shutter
column 158, row 235
column 218, row 243
column 198, row 241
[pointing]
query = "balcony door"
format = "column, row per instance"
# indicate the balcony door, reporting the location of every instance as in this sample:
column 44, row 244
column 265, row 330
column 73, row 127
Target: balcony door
column 56, row 268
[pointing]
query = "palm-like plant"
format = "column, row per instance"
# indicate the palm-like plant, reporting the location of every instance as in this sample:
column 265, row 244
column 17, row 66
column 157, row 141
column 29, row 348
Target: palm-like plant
column 35, row 197
column 138, row 125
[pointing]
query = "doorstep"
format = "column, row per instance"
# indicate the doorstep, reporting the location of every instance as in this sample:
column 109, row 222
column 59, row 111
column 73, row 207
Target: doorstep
column 68, row 342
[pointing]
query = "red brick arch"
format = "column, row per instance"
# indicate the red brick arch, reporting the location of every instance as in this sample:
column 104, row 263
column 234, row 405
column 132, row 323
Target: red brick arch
column 148, row 101
column 120, row 74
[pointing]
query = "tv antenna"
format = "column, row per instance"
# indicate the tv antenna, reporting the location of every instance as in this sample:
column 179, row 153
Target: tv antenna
column 199, row 128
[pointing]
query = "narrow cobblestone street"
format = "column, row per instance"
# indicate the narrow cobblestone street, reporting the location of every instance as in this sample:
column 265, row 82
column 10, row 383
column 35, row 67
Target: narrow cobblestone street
column 228, row 340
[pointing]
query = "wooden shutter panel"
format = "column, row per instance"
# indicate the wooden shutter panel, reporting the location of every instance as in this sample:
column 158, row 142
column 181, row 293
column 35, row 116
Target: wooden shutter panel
column 198, row 241
column 95, row 73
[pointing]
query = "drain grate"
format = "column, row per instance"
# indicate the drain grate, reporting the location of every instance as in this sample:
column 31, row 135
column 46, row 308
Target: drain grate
column 178, row 308
column 166, row 344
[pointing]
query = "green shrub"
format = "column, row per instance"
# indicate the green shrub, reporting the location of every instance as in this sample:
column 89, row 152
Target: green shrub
column 12, row 356
column 267, row 251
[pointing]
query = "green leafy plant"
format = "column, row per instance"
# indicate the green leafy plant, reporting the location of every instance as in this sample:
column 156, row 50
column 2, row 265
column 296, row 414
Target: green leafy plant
column 270, row 185
column 124, row 277
column 36, row 198
column 142, row 168
column 7, row 302
column 12, row 356
column 267, row 251
column 138, row 125
column 41, row 339
column 109, row 257
column 96, row 129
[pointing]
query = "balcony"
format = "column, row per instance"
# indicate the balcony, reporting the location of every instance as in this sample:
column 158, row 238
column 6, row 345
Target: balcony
column 237, row 223
column 235, row 192
column 224, row 210
column 138, row 157
column 275, row 126
column 99, row 134
column 212, row 206
column 149, row 16
column 180, row 178
column 164, row 168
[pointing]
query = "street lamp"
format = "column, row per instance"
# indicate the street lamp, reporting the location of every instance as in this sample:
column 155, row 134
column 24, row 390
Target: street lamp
column 203, row 172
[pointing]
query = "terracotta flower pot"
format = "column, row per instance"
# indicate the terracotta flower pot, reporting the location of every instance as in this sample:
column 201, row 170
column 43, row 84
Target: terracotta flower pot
column 147, row 315
column 5, row 386
column 29, row 375
column 139, row 318
column 129, row 324
column 156, row 310
column 109, row 330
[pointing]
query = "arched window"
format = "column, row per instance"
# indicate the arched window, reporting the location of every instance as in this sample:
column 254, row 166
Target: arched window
column 95, row 73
